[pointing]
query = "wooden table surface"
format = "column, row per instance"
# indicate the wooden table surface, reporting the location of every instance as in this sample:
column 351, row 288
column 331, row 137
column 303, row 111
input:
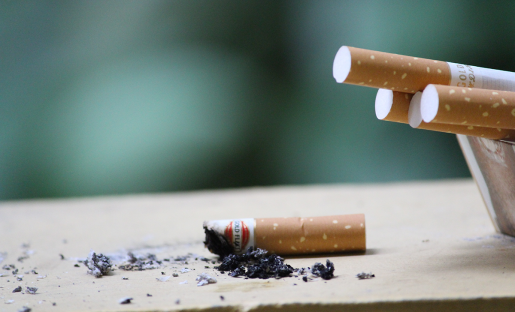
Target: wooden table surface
column 430, row 245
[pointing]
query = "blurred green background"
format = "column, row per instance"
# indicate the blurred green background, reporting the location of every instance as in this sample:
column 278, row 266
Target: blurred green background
column 114, row 97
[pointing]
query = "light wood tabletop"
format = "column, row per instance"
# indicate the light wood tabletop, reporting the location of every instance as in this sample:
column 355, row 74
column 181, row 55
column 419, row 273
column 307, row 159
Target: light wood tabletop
column 429, row 244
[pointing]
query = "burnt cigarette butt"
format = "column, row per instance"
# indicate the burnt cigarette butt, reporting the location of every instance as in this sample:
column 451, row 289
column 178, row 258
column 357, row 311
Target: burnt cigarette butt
column 388, row 71
column 405, row 108
column 467, row 106
column 288, row 236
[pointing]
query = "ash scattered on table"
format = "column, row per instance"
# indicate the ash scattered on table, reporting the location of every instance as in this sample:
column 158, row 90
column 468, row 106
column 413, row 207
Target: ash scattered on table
column 148, row 262
column 31, row 290
column 204, row 279
column 324, row 272
column 163, row 278
column 364, row 275
column 98, row 265
column 258, row 264
column 125, row 300
column 255, row 264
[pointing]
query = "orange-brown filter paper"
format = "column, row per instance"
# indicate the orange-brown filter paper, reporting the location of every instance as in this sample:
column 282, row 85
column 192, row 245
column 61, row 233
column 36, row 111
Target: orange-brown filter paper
column 388, row 71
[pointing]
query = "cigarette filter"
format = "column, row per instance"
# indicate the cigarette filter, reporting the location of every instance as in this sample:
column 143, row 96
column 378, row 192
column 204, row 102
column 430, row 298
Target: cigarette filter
column 405, row 108
column 467, row 106
column 287, row 236
column 411, row 74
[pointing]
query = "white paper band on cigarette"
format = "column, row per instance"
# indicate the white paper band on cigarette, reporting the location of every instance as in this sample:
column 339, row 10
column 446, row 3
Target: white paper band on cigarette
column 411, row 74
column 482, row 78
column 286, row 236
column 467, row 106
column 405, row 108
column 239, row 232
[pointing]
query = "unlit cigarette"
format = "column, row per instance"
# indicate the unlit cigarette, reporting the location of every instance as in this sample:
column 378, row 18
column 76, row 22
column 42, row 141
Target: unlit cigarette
column 286, row 236
column 405, row 108
column 411, row 74
column 392, row 106
column 467, row 106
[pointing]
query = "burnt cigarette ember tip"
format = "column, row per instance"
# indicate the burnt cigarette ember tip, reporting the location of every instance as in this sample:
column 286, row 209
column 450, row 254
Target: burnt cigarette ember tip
column 217, row 243
column 384, row 101
column 429, row 103
column 414, row 115
column 342, row 64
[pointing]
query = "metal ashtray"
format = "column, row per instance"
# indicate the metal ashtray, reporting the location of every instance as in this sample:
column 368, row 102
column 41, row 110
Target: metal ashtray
column 492, row 164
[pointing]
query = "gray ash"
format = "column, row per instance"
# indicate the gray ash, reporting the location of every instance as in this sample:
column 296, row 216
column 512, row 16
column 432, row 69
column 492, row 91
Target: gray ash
column 364, row 275
column 255, row 264
column 31, row 290
column 125, row 300
column 21, row 258
column 98, row 265
column 147, row 262
column 324, row 272
column 17, row 289
column 217, row 243
column 9, row 267
column 181, row 258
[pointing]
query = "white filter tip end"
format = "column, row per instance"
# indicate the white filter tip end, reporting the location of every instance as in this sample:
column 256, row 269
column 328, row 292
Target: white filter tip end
column 342, row 64
column 414, row 115
column 384, row 101
column 429, row 103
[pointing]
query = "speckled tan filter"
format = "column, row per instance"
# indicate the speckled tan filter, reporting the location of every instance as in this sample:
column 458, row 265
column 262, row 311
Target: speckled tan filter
column 399, row 104
column 286, row 236
column 388, row 71
column 468, row 106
